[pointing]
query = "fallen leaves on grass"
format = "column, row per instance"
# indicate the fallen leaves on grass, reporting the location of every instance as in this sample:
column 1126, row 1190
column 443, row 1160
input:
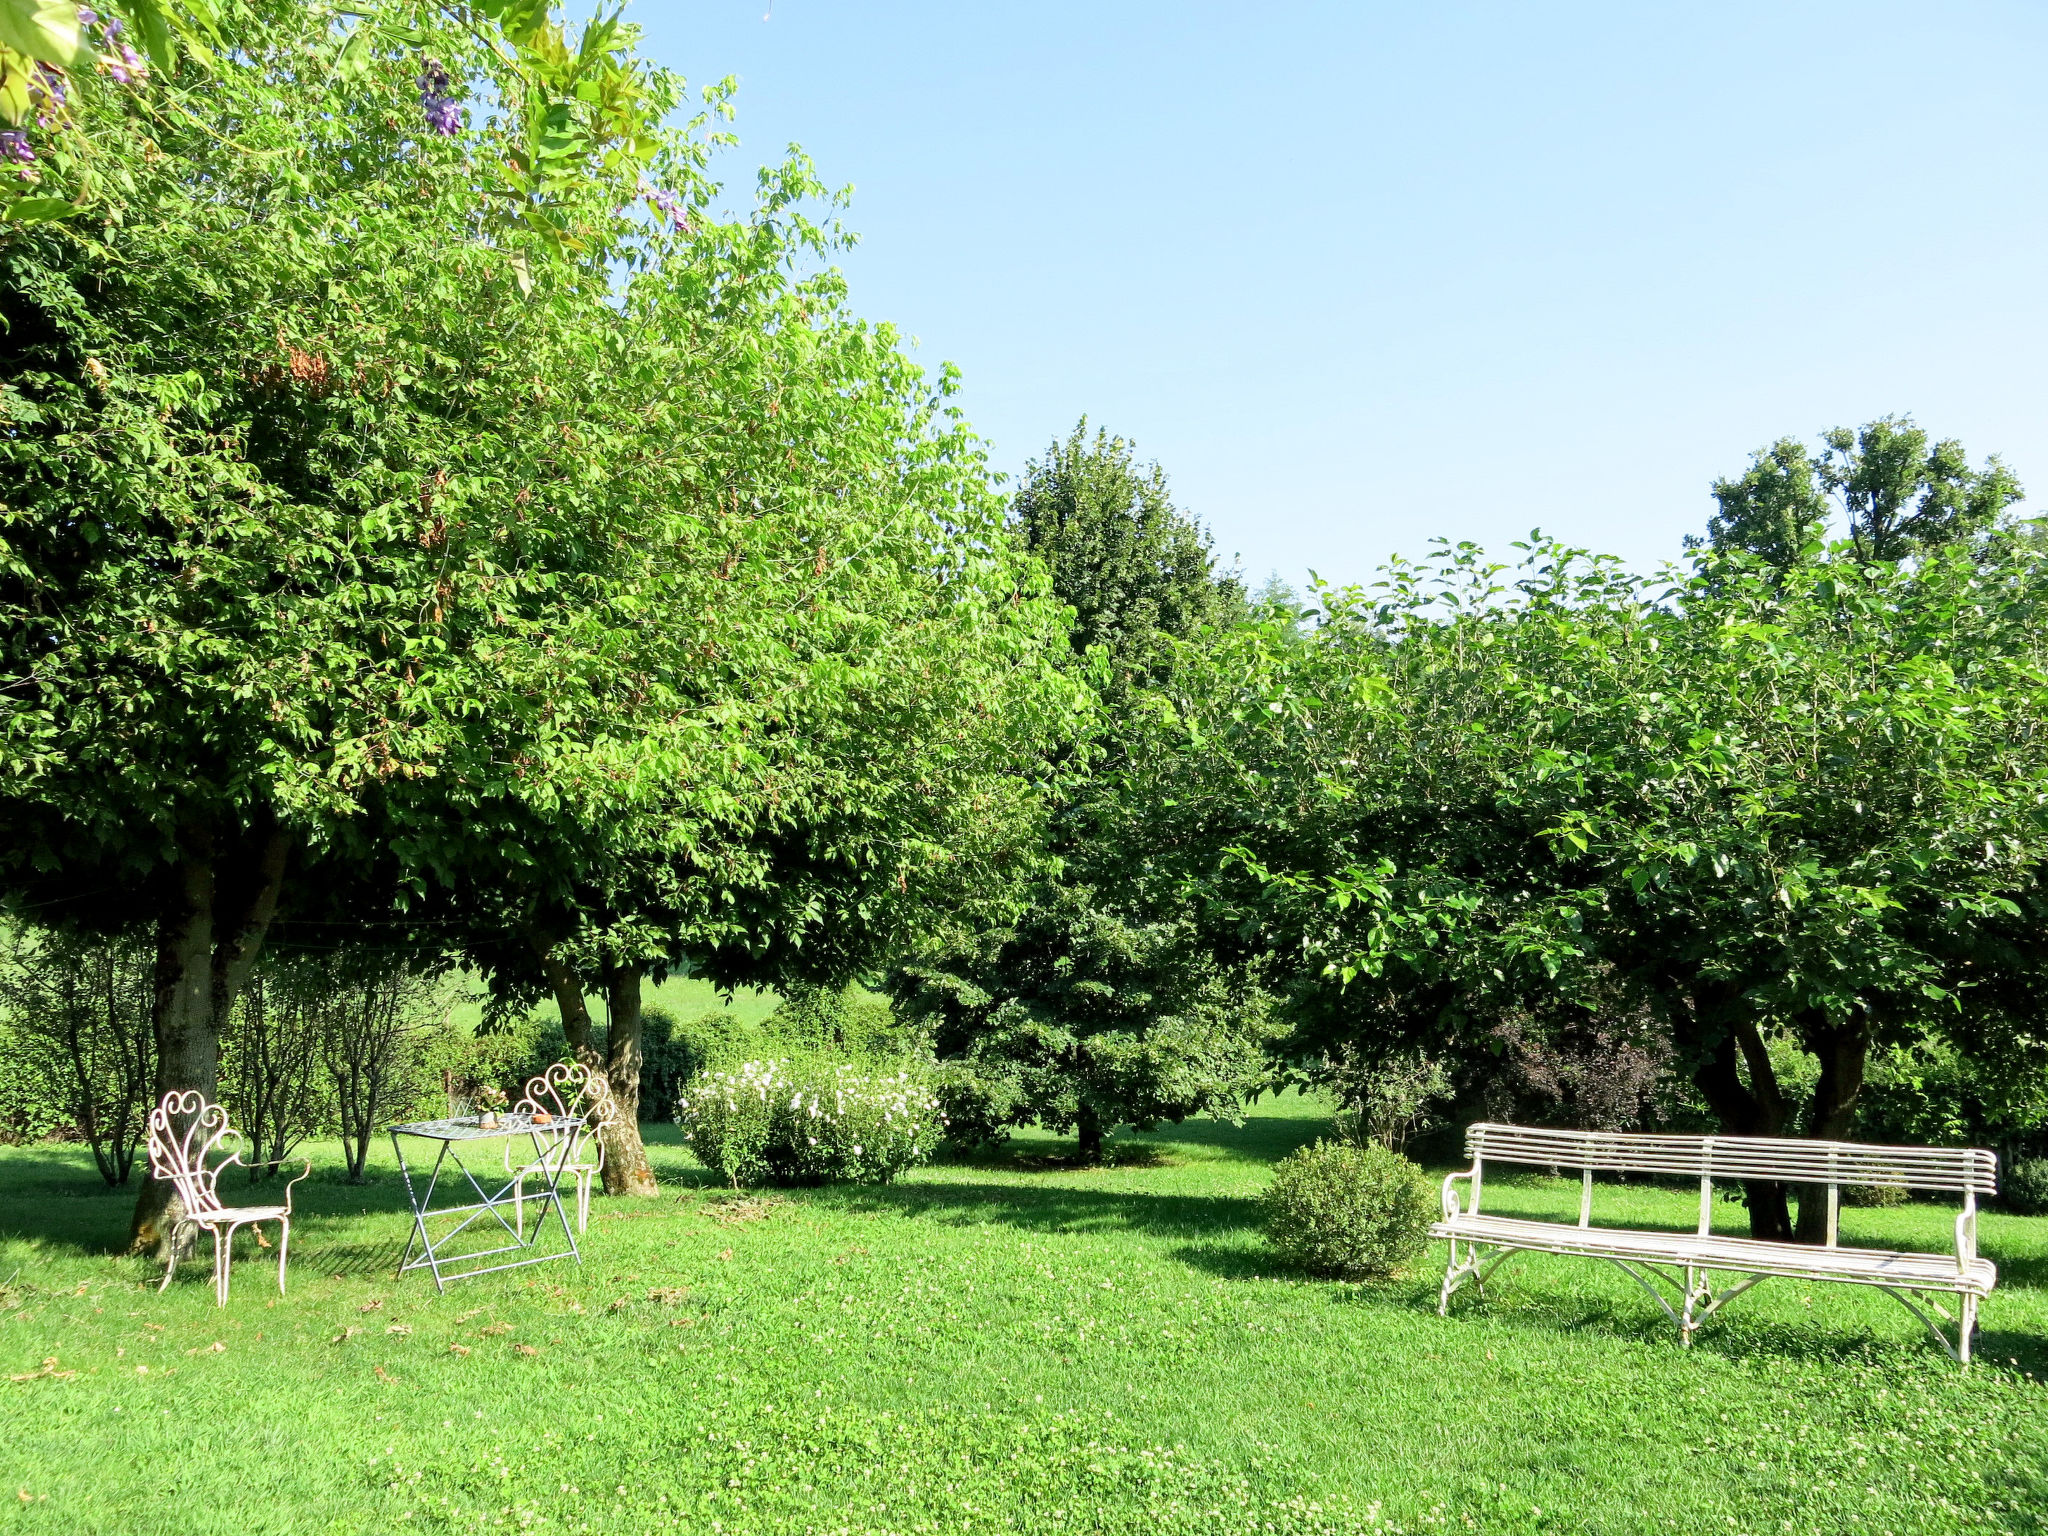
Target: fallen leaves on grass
column 376, row 1304
column 386, row 1376
column 344, row 1335
column 524, row 1349
column 48, row 1371
column 669, row 1295
column 494, row 1330
column 215, row 1348
column 401, row 1329
column 738, row 1210
column 458, row 1349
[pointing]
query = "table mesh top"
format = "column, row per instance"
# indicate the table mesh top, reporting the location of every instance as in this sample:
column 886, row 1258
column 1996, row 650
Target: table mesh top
column 465, row 1128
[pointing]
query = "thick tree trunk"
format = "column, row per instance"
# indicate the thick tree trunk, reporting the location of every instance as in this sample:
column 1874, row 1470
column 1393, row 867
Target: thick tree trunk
column 1843, row 1051
column 1758, row 1109
column 1090, row 1129
column 625, row 1161
column 201, row 966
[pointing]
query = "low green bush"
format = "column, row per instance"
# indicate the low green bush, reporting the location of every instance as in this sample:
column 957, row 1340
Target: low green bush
column 2024, row 1188
column 1349, row 1212
column 808, row 1121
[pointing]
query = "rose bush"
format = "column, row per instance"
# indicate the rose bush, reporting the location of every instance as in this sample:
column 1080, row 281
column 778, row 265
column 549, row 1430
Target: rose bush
column 808, row 1121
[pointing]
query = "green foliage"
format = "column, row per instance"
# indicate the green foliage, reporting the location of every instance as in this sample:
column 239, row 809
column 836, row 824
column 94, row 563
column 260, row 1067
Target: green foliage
column 2023, row 1187
column 1925, row 1091
column 1349, row 1211
column 1079, row 1018
column 846, row 1020
column 1898, row 493
column 673, row 1053
column 1134, row 569
column 809, row 1120
column 556, row 118
column 77, row 1054
column 1383, row 1101
column 1744, row 801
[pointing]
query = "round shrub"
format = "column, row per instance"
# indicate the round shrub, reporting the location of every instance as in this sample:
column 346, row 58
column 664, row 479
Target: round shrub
column 1357, row 1213
column 808, row 1122
column 2024, row 1189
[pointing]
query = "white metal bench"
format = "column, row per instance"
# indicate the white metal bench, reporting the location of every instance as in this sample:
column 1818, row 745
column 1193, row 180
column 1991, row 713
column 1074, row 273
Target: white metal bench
column 1480, row 1243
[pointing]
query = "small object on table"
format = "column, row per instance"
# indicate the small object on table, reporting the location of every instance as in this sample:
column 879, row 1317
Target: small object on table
column 551, row 1161
column 542, row 1117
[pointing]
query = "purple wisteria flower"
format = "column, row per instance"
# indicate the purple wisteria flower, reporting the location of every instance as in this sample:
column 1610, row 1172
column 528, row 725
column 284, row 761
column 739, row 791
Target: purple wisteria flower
column 14, row 145
column 127, row 66
column 670, row 206
column 443, row 115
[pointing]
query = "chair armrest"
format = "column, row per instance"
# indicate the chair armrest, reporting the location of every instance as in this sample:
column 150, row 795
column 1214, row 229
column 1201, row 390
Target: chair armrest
column 236, row 1157
column 1451, row 1207
column 1966, row 1240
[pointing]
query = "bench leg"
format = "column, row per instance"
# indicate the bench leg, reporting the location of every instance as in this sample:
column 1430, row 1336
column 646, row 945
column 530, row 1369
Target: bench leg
column 1969, row 1327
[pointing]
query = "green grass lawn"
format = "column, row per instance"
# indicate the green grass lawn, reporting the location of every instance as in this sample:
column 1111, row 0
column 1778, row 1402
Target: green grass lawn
column 995, row 1347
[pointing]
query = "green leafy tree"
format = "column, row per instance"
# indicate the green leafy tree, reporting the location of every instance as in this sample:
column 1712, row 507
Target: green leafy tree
column 1748, row 802
column 1089, row 1011
column 1897, row 492
column 559, row 117
column 1134, row 569
column 352, row 552
column 1081, row 1019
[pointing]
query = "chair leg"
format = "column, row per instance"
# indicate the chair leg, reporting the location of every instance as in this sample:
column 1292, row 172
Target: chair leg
column 171, row 1268
column 223, row 1251
column 284, row 1244
column 519, row 1205
column 582, row 1200
column 1969, row 1327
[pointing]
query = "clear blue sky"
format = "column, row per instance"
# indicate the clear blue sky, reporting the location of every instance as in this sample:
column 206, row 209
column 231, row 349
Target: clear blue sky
column 1359, row 275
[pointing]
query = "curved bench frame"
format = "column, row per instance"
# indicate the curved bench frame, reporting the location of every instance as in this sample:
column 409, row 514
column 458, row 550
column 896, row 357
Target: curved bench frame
column 1687, row 1262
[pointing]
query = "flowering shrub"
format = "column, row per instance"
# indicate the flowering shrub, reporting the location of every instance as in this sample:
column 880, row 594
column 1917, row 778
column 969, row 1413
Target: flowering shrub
column 808, row 1122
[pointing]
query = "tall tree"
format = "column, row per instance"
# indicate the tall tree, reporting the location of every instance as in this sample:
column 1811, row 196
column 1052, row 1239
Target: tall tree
column 1088, row 1010
column 309, row 497
column 1134, row 568
column 1896, row 492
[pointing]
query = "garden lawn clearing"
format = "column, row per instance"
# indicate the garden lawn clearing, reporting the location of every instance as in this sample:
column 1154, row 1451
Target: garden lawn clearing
column 1007, row 1345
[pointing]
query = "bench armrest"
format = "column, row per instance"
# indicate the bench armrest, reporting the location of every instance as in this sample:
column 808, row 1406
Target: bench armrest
column 1966, row 1239
column 1451, row 1206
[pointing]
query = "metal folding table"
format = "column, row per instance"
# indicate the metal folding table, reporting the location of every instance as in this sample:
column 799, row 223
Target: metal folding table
column 553, row 1144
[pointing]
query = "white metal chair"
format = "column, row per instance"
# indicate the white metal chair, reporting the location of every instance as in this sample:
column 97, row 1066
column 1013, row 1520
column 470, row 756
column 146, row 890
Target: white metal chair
column 184, row 1132
column 579, row 1105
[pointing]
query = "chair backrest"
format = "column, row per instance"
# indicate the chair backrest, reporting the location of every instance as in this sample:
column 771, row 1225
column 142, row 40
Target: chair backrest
column 575, row 1097
column 1960, row 1170
column 184, row 1133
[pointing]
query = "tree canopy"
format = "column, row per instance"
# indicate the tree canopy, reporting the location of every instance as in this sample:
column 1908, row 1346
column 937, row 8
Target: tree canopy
column 1746, row 801
column 354, row 553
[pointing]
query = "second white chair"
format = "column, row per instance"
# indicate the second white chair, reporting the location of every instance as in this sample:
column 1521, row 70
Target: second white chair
column 580, row 1106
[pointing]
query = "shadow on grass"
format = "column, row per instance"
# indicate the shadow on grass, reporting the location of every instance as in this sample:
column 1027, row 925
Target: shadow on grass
column 1049, row 1209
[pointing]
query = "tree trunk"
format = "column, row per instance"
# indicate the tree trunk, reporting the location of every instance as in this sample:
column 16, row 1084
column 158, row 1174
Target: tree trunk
column 197, row 982
column 1843, row 1051
column 625, row 1159
column 1090, row 1128
column 1756, row 1110
column 573, row 1006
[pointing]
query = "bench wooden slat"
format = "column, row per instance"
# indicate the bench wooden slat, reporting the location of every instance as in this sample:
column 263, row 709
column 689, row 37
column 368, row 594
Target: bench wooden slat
column 1959, row 1170
column 1864, row 1266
